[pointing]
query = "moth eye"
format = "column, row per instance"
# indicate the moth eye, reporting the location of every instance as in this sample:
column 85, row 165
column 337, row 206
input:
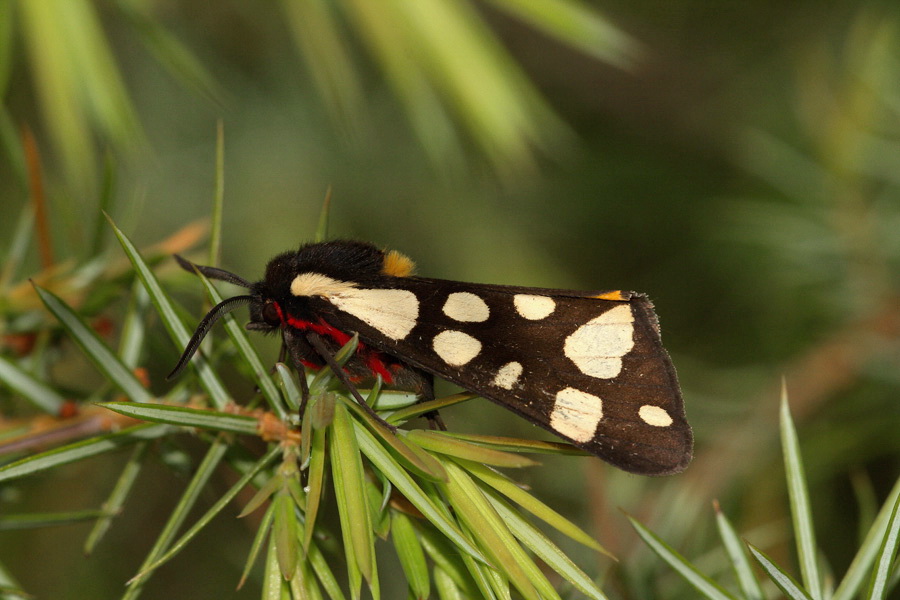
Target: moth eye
column 270, row 314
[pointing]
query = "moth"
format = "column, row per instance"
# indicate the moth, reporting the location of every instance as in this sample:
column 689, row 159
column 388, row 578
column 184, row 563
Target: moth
column 587, row 366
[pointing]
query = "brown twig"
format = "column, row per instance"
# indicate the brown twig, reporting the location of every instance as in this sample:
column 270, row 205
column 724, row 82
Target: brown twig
column 36, row 191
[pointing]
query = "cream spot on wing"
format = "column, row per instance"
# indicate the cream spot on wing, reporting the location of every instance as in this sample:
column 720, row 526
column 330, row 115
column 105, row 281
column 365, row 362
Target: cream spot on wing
column 463, row 306
column 316, row 284
column 654, row 415
column 597, row 347
column 508, row 375
column 392, row 312
column 455, row 347
column 534, row 308
column 576, row 414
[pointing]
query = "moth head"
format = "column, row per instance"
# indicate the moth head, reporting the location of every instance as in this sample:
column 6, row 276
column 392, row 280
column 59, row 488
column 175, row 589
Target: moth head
column 216, row 312
column 265, row 315
column 292, row 282
column 273, row 298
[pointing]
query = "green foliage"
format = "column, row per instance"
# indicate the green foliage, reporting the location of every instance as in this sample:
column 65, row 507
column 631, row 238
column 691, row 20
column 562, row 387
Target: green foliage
column 427, row 51
column 736, row 163
column 875, row 556
column 377, row 479
column 456, row 523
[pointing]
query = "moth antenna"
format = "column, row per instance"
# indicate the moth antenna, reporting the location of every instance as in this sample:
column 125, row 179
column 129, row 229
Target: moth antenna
column 216, row 313
column 213, row 272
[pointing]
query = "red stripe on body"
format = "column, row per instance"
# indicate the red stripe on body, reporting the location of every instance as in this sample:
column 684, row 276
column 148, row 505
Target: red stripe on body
column 374, row 362
column 373, row 358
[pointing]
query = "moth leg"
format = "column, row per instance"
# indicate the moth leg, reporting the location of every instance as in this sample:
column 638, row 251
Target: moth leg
column 282, row 355
column 435, row 421
column 421, row 383
column 427, row 393
column 316, row 342
column 292, row 345
column 304, row 391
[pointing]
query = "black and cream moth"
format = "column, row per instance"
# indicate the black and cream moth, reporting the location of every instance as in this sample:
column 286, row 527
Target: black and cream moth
column 588, row 366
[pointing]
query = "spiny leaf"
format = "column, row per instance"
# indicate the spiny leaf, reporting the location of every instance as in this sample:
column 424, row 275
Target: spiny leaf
column 779, row 576
column 737, row 554
column 103, row 358
column 411, row 555
column 444, row 444
column 116, row 499
column 178, row 332
column 38, row 393
column 882, row 572
column 214, row 510
column 257, row 544
column 532, row 505
column 81, row 450
column 858, row 571
column 247, row 352
column 688, row 571
column 385, row 463
column 801, row 513
column 315, row 479
column 350, row 495
column 421, row 408
column 509, row 444
column 414, row 459
column 494, row 537
column 545, row 549
column 179, row 514
column 186, row 417
column 40, row 520
column 288, row 386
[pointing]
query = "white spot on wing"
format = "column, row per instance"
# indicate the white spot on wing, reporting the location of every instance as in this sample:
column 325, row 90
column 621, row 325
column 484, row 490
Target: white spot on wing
column 464, row 306
column 455, row 347
column 654, row 415
column 576, row 414
column 597, row 347
column 534, row 308
column 392, row 312
column 316, row 284
column 508, row 375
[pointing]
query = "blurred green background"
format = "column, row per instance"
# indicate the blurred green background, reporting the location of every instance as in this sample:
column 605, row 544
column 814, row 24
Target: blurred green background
column 738, row 162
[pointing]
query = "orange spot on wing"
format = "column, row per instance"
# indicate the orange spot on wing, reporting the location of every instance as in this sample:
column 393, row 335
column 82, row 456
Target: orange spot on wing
column 613, row 295
column 397, row 264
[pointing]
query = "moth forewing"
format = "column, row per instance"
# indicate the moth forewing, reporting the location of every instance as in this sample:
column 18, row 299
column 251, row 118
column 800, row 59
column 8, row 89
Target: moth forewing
column 588, row 366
